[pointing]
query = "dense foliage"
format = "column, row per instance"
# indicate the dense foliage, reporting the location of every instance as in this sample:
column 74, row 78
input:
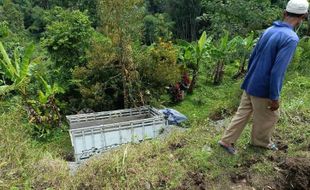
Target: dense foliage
column 67, row 37
column 61, row 57
column 238, row 16
column 103, row 55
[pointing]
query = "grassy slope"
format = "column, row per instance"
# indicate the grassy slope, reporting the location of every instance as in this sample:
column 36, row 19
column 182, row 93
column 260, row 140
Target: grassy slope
column 188, row 160
column 24, row 164
column 192, row 160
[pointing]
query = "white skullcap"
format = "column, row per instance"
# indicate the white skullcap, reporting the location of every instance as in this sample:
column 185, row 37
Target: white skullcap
column 297, row 6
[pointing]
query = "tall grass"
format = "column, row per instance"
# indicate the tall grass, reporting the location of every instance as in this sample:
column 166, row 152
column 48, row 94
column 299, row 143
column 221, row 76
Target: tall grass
column 23, row 165
column 15, row 148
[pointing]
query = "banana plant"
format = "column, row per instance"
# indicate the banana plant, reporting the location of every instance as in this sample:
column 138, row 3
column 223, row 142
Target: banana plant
column 244, row 50
column 221, row 53
column 49, row 91
column 43, row 110
column 193, row 54
column 17, row 69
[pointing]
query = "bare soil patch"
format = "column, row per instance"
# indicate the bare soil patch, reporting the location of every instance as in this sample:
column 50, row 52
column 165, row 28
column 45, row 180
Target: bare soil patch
column 295, row 174
column 177, row 145
column 194, row 180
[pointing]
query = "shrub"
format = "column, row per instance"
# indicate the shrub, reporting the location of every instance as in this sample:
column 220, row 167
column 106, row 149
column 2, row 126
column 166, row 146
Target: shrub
column 18, row 73
column 99, row 81
column 158, row 68
column 302, row 57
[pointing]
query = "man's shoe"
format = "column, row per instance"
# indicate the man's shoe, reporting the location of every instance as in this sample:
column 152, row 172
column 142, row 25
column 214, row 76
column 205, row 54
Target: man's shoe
column 273, row 147
column 229, row 148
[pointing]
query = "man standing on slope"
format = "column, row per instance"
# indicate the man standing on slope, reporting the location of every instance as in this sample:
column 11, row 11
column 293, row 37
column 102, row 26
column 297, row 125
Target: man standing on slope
column 263, row 82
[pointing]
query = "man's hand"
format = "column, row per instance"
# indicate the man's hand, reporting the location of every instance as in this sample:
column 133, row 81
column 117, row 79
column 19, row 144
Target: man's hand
column 274, row 105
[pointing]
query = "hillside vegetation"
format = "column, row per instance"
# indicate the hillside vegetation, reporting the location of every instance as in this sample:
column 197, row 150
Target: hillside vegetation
column 184, row 160
column 59, row 58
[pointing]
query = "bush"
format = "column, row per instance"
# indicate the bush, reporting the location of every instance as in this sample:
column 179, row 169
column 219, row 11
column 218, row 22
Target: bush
column 158, row 68
column 302, row 57
column 99, row 81
column 18, row 73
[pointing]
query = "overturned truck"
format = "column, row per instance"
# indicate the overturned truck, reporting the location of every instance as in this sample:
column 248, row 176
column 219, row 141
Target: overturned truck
column 94, row 133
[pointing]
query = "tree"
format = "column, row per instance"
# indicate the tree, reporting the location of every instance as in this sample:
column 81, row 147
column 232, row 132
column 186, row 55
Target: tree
column 49, row 4
column 67, row 38
column 156, row 6
column 157, row 26
column 100, row 80
column 239, row 17
column 37, row 21
column 184, row 13
column 279, row 3
column 123, row 27
column 4, row 29
column 10, row 13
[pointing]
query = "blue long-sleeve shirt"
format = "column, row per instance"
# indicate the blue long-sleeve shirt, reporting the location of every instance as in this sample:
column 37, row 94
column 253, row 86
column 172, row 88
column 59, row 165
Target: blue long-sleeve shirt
column 269, row 61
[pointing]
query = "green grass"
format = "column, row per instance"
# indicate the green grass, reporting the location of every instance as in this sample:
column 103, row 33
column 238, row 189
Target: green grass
column 209, row 99
column 183, row 160
column 157, row 165
column 14, row 147
column 21, row 161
